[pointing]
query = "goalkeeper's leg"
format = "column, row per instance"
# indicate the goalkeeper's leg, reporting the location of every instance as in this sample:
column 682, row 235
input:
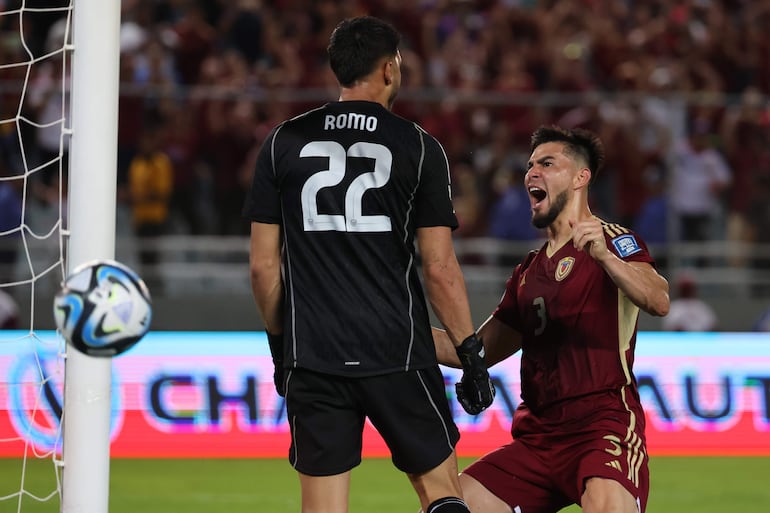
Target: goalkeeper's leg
column 325, row 494
column 439, row 488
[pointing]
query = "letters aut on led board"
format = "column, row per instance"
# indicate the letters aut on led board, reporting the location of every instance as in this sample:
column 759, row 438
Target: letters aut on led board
column 210, row 394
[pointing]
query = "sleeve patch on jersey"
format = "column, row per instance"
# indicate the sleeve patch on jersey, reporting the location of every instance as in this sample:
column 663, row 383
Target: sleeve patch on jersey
column 626, row 245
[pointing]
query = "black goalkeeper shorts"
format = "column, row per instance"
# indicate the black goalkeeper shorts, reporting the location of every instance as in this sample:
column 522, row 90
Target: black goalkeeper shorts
column 326, row 416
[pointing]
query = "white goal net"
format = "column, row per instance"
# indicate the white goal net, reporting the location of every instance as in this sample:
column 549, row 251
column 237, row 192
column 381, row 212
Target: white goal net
column 41, row 467
column 34, row 82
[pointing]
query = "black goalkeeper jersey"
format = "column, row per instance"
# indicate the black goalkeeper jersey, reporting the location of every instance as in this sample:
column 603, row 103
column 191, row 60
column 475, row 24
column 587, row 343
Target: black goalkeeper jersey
column 349, row 183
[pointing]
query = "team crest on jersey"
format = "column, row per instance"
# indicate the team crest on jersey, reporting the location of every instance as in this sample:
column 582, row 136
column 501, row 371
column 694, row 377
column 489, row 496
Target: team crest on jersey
column 626, row 245
column 564, row 267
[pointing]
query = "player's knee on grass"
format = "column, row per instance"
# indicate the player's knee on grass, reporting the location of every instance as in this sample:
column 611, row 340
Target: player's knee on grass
column 448, row 505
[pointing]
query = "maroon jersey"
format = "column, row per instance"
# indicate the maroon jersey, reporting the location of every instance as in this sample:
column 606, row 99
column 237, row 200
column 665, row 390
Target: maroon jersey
column 578, row 330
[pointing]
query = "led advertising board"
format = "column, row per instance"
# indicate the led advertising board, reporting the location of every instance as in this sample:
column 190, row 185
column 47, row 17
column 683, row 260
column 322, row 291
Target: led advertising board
column 210, row 394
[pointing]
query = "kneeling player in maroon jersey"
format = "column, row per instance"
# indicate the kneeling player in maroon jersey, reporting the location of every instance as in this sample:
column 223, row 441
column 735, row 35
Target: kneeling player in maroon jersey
column 572, row 308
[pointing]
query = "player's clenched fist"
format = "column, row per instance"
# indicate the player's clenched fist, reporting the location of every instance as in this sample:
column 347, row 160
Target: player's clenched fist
column 475, row 391
column 588, row 235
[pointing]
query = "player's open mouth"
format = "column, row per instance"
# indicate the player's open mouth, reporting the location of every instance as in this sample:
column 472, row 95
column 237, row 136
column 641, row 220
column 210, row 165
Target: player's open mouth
column 537, row 195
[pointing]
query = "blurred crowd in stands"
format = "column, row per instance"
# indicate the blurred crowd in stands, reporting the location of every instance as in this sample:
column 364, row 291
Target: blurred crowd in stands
column 677, row 89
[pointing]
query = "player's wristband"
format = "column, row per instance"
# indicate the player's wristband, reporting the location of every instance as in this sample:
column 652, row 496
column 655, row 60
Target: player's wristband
column 471, row 350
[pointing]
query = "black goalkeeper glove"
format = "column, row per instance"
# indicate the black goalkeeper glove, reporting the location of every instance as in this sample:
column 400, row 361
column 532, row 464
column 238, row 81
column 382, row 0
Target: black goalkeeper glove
column 475, row 391
column 276, row 350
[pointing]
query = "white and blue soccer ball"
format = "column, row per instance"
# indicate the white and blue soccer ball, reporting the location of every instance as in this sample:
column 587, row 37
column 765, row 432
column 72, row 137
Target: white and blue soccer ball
column 103, row 308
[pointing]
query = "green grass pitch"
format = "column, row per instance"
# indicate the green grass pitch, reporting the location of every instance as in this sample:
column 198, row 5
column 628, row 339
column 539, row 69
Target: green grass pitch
column 702, row 484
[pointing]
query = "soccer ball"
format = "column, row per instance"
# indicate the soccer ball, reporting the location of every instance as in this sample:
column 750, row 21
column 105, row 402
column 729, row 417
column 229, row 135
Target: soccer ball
column 103, row 308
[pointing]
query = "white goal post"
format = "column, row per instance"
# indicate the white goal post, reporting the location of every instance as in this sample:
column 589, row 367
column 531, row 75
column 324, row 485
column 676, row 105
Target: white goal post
column 91, row 231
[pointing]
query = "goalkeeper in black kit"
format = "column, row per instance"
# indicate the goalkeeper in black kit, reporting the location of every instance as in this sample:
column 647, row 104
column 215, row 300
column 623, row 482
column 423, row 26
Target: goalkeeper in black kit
column 338, row 198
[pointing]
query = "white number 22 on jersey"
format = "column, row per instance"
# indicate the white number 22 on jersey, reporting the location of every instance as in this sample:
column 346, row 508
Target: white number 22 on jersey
column 353, row 219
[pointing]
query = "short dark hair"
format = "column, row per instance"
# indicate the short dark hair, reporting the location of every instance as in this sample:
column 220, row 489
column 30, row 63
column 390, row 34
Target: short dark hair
column 357, row 44
column 578, row 142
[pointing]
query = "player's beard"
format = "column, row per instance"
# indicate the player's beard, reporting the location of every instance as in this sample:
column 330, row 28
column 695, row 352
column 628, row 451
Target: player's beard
column 545, row 220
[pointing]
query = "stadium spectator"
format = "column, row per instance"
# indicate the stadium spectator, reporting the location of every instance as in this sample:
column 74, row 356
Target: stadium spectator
column 467, row 200
column 759, row 230
column 131, row 114
column 49, row 100
column 195, row 37
column 623, row 174
column 332, row 271
column 491, row 148
column 241, row 27
column 572, row 308
column 228, row 157
column 11, row 190
column 651, row 222
column 12, row 51
column 192, row 200
column 150, row 182
column 226, row 133
column 514, row 78
column 510, row 215
column 700, row 178
column 745, row 130
column 10, row 224
column 688, row 311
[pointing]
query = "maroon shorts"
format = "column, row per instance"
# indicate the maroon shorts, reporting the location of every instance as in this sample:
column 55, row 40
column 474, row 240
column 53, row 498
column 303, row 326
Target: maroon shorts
column 551, row 475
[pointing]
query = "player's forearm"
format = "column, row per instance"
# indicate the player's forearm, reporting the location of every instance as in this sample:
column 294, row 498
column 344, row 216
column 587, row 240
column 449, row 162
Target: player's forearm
column 445, row 350
column 640, row 283
column 265, row 274
column 448, row 296
column 500, row 340
column 267, row 289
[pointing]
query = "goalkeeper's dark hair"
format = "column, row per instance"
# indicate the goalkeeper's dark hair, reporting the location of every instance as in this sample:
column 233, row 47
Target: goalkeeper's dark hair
column 357, row 45
column 578, row 143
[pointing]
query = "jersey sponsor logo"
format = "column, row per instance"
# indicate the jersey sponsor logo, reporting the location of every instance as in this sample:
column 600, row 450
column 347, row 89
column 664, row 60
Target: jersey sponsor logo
column 564, row 268
column 626, row 245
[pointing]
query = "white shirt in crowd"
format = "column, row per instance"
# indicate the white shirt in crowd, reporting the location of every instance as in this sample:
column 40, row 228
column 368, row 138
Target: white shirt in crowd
column 690, row 314
column 696, row 175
